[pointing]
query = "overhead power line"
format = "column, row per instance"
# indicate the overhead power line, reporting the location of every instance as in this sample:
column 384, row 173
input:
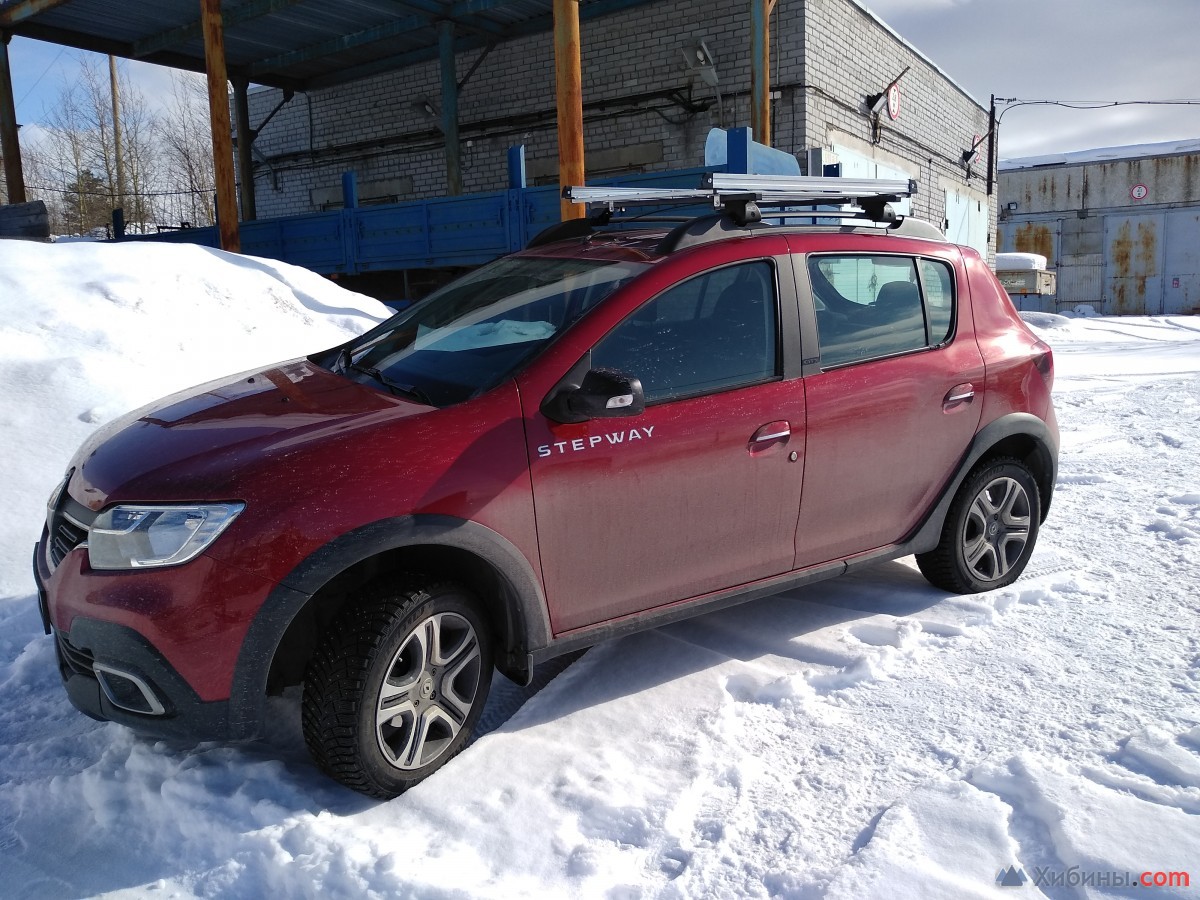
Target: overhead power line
column 109, row 194
column 1014, row 102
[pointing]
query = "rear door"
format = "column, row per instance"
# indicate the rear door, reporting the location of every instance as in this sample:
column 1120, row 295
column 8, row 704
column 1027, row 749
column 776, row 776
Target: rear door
column 702, row 490
column 894, row 400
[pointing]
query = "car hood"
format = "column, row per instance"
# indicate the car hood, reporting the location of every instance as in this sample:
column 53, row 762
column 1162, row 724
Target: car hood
column 192, row 445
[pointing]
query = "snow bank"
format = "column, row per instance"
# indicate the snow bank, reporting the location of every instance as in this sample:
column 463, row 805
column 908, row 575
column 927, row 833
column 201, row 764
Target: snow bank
column 864, row 737
column 1045, row 320
column 89, row 331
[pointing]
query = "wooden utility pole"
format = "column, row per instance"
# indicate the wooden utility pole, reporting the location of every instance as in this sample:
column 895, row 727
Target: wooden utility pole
column 218, row 111
column 10, row 145
column 116, row 113
column 760, row 69
column 569, row 83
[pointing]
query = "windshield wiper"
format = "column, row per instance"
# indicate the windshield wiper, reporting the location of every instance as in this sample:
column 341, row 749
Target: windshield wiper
column 406, row 390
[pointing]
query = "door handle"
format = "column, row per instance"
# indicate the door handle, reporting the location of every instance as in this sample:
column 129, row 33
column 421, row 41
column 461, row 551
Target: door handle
column 958, row 396
column 772, row 431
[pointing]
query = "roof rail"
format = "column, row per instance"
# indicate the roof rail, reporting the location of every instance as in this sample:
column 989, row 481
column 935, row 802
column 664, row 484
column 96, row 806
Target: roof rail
column 715, row 226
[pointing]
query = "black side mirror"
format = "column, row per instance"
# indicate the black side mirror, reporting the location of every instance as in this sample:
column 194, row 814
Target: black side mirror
column 603, row 394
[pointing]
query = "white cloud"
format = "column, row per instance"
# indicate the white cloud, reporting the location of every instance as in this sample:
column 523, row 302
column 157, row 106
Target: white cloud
column 1064, row 50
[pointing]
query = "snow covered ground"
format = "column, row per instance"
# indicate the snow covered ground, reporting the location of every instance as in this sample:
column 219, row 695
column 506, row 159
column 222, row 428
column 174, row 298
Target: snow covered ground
column 866, row 737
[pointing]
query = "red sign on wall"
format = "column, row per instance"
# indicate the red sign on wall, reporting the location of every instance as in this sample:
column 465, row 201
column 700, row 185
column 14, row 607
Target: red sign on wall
column 893, row 98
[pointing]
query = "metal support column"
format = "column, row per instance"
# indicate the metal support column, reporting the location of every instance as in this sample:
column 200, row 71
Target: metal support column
column 218, row 112
column 449, row 107
column 570, row 102
column 10, row 144
column 245, row 144
column 760, row 69
column 991, row 151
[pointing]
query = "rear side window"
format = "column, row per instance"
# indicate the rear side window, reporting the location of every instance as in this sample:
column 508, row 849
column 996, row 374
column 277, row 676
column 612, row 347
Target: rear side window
column 937, row 280
column 713, row 332
column 873, row 306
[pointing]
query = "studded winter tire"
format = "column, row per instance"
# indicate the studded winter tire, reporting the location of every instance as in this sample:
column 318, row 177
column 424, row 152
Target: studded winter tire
column 396, row 688
column 990, row 530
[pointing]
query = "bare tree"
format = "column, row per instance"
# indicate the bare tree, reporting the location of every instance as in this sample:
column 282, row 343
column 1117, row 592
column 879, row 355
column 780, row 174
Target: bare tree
column 187, row 145
column 166, row 158
column 70, row 158
column 97, row 112
column 136, row 148
column 142, row 157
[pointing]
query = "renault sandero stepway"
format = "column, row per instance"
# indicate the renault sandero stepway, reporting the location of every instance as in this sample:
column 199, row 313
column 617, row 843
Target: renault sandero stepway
column 610, row 430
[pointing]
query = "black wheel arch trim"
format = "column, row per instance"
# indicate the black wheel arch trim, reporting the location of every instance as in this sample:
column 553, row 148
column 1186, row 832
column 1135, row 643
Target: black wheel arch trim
column 529, row 626
column 986, row 439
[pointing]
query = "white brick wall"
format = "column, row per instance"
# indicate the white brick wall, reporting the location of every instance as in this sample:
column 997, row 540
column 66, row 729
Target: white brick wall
column 827, row 56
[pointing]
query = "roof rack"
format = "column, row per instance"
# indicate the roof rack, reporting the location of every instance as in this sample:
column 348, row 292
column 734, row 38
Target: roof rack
column 739, row 200
column 767, row 190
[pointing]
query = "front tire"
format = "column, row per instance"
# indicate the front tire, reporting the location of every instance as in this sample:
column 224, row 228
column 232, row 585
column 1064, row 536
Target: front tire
column 396, row 688
column 990, row 530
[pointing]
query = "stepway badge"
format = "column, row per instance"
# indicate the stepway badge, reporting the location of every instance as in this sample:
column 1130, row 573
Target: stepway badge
column 1011, row 877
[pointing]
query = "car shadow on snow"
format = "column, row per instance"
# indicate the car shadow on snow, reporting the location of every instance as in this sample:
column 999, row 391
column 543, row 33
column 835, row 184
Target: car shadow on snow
column 781, row 626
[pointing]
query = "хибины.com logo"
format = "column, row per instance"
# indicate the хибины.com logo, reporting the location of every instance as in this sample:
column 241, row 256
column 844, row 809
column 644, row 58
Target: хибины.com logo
column 1011, row 877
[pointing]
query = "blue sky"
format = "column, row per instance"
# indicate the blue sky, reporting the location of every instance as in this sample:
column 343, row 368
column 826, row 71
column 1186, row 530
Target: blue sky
column 40, row 71
column 1032, row 49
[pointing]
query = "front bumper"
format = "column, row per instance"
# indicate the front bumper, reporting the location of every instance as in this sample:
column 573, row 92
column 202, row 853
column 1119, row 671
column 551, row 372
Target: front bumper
column 182, row 714
column 155, row 650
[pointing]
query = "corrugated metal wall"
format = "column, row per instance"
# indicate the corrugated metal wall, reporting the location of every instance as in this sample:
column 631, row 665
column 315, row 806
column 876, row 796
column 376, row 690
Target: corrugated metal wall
column 1181, row 262
column 1143, row 264
column 1118, row 253
column 1133, row 264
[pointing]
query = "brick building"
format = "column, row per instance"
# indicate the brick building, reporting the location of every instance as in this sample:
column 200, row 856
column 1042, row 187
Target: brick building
column 645, row 109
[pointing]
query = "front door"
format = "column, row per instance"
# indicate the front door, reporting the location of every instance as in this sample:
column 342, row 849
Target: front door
column 699, row 492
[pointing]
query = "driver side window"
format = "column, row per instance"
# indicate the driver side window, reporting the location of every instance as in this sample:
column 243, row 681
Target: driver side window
column 713, row 332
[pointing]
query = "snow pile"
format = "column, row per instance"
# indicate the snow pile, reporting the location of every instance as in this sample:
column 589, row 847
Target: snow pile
column 89, row 331
column 1020, row 262
column 863, row 737
column 1045, row 320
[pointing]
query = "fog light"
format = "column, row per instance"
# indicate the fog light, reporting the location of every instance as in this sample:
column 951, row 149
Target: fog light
column 126, row 691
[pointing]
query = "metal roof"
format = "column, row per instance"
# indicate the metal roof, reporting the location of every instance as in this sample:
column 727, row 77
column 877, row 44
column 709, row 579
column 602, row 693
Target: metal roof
column 1188, row 146
column 297, row 44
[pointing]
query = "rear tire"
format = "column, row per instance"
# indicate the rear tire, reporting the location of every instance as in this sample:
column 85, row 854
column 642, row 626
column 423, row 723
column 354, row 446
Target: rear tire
column 989, row 532
column 395, row 689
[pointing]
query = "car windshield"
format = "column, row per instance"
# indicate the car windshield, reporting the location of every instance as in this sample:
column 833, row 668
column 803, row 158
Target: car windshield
column 470, row 335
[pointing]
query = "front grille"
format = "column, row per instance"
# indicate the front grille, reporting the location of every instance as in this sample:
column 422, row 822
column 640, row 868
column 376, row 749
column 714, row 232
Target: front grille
column 73, row 658
column 67, row 528
column 65, row 537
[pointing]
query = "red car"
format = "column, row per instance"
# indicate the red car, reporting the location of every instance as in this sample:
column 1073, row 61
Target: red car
column 603, row 433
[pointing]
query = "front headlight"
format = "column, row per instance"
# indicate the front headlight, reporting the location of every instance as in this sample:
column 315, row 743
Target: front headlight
column 141, row 537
